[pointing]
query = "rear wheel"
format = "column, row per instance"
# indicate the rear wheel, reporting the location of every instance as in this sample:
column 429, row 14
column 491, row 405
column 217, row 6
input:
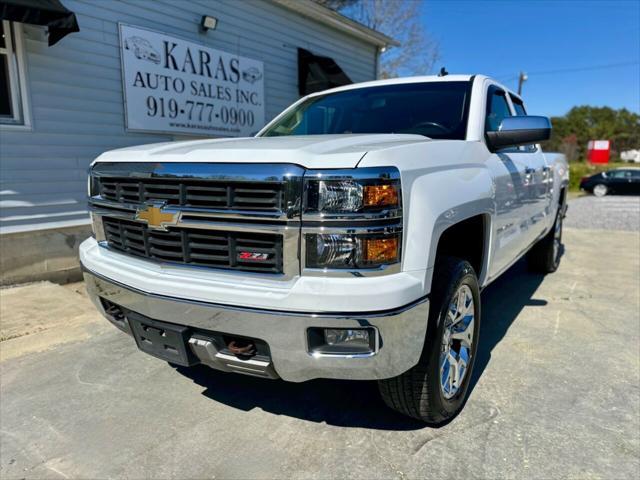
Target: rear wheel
column 600, row 190
column 435, row 389
column 545, row 255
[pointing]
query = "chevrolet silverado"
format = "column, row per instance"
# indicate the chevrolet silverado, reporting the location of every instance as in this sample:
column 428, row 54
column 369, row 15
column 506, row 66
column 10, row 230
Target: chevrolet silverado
column 349, row 239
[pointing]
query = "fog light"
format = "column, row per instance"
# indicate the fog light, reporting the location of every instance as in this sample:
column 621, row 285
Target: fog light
column 342, row 341
column 335, row 336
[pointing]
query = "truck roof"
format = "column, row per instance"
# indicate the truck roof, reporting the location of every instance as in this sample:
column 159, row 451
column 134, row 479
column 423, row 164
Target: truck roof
column 405, row 80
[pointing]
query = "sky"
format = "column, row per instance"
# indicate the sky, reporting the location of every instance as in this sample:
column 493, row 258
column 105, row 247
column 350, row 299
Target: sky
column 500, row 38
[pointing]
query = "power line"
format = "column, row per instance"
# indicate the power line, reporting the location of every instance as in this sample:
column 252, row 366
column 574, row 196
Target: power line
column 582, row 69
column 570, row 70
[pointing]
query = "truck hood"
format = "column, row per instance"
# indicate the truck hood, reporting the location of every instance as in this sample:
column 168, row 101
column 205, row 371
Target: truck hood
column 311, row 151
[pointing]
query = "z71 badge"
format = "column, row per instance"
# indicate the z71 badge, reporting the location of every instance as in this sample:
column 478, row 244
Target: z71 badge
column 253, row 256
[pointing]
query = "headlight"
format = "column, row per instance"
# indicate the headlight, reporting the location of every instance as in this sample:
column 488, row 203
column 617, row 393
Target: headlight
column 338, row 196
column 351, row 251
column 358, row 191
column 352, row 220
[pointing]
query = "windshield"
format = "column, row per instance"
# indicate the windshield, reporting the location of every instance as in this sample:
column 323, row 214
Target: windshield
column 432, row 109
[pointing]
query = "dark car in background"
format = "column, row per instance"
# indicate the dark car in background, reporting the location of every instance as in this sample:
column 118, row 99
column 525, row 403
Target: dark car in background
column 621, row 181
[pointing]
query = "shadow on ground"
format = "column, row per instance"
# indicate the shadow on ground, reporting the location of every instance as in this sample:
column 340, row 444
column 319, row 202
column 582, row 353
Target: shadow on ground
column 502, row 302
column 357, row 403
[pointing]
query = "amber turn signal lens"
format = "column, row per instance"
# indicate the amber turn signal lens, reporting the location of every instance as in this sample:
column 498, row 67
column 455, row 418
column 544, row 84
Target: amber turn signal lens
column 380, row 250
column 380, row 196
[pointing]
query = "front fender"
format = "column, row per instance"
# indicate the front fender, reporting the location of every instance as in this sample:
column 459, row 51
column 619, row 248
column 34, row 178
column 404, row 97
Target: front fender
column 439, row 200
column 443, row 183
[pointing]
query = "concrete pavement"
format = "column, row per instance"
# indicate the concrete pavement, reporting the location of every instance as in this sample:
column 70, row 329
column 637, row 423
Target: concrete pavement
column 556, row 393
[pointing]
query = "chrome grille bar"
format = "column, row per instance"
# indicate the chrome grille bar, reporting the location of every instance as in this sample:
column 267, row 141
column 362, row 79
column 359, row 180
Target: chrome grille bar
column 251, row 188
column 219, row 209
column 206, row 248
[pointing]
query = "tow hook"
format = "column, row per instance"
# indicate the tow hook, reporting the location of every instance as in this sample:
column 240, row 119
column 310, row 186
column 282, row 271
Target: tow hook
column 241, row 347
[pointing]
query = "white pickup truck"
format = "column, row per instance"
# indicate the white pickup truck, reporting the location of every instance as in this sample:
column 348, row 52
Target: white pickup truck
column 349, row 239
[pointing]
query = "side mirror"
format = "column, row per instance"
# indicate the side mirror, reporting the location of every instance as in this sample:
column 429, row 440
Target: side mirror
column 522, row 130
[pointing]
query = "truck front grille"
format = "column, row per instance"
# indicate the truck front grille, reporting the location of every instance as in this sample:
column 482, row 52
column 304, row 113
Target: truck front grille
column 227, row 216
column 260, row 196
column 201, row 247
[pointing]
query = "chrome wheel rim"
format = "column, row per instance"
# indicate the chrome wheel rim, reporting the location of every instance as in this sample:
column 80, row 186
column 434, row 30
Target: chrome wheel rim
column 600, row 190
column 457, row 339
column 557, row 237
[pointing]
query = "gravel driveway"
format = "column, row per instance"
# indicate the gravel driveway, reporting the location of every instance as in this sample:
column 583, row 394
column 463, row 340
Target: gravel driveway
column 606, row 213
column 554, row 393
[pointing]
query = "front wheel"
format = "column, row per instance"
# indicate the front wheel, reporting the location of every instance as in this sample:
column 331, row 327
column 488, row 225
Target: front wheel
column 435, row 389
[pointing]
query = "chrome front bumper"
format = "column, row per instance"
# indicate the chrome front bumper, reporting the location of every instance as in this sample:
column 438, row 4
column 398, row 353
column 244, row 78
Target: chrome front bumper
column 401, row 333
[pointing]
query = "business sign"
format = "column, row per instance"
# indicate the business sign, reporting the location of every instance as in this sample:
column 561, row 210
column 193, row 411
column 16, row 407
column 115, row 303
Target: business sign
column 176, row 86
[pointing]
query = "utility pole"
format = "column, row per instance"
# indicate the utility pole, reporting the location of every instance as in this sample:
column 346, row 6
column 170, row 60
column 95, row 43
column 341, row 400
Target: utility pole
column 523, row 78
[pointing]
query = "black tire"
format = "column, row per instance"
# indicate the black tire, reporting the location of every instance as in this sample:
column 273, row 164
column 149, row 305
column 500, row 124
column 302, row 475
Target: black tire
column 544, row 257
column 417, row 392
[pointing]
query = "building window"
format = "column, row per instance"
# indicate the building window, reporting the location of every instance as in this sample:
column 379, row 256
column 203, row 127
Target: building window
column 13, row 106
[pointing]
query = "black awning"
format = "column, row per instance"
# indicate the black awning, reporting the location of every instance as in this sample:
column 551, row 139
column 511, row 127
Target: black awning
column 50, row 13
column 318, row 73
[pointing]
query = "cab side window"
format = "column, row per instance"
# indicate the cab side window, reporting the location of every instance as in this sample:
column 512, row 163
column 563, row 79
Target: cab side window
column 518, row 106
column 497, row 109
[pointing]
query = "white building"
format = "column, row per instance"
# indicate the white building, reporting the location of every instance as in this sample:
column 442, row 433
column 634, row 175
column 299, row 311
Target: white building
column 630, row 156
column 143, row 71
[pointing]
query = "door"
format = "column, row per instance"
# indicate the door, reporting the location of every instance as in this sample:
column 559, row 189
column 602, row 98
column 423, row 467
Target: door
column 634, row 184
column 511, row 190
column 537, row 180
column 620, row 181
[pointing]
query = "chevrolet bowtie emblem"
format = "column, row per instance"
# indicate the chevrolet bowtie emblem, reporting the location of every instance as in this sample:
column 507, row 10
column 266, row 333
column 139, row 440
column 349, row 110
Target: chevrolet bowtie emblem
column 156, row 218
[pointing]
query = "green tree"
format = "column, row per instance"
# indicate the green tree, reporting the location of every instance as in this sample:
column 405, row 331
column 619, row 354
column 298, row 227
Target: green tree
column 572, row 132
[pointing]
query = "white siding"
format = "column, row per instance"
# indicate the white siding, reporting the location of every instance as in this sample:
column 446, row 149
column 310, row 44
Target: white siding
column 76, row 91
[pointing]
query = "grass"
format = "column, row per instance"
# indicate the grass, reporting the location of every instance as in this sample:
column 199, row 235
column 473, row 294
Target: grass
column 577, row 170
